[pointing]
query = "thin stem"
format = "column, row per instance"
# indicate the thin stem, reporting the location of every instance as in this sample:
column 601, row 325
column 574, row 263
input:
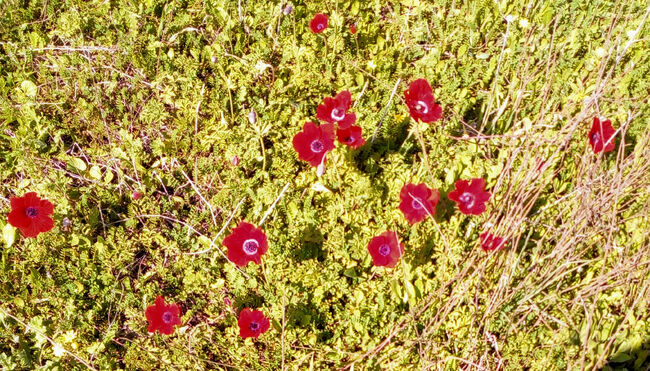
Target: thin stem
column 425, row 156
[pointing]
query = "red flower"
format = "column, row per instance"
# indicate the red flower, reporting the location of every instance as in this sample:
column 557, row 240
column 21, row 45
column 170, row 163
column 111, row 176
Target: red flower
column 470, row 197
column 600, row 134
column 161, row 317
column 353, row 29
column 490, row 242
column 351, row 136
column 385, row 249
column 31, row 214
column 335, row 110
column 318, row 24
column 420, row 101
column 313, row 142
column 418, row 201
column 252, row 323
column 246, row 243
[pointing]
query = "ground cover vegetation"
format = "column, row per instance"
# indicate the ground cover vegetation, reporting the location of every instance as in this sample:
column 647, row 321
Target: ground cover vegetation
column 324, row 185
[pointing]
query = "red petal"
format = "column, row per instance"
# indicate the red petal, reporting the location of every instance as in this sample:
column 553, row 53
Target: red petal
column 348, row 120
column 327, row 136
column 45, row 208
column 18, row 219
column 301, row 144
column 324, row 111
column 44, row 223
column 344, row 99
column 31, row 230
column 17, row 203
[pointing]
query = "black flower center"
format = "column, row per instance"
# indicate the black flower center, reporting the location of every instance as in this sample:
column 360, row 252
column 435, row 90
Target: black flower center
column 254, row 326
column 317, row 146
column 349, row 140
column 384, row 250
column 31, row 212
column 250, row 246
column 467, row 198
column 167, row 317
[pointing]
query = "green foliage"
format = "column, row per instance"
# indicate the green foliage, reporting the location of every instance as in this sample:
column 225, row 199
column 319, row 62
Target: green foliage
column 101, row 99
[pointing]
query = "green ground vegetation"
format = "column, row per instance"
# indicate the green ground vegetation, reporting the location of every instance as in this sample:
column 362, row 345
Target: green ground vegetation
column 100, row 99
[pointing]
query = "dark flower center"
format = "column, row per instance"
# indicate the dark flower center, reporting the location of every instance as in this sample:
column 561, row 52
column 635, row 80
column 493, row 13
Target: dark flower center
column 250, row 246
column 337, row 115
column 254, row 326
column 349, row 140
column 421, row 107
column 167, row 317
column 317, row 146
column 467, row 198
column 31, row 212
column 595, row 137
column 384, row 250
column 417, row 203
column 320, row 26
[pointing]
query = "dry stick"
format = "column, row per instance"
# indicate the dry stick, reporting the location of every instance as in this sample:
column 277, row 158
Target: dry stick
column 425, row 156
column 195, row 188
column 399, row 327
column 444, row 238
column 52, row 341
column 390, row 100
column 496, row 77
column 283, row 323
column 223, row 228
column 266, row 214
column 198, row 105
column 274, row 203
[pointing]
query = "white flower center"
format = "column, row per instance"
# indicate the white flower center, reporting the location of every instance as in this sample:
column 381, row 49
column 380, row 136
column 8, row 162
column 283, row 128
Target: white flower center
column 317, row 146
column 337, row 114
column 467, row 198
column 250, row 246
column 417, row 203
column 421, row 107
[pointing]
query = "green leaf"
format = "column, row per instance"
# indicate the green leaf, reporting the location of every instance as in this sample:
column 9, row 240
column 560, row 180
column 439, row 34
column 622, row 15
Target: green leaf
column 29, row 88
column 95, row 172
column 78, row 164
column 620, row 358
column 9, row 234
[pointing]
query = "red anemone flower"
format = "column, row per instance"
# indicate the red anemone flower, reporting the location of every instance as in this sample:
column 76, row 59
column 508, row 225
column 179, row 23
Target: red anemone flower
column 335, row 110
column 418, row 201
column 385, row 249
column 420, row 101
column 601, row 133
column 351, row 136
column 318, row 24
column 162, row 317
column 252, row 323
column 313, row 142
column 470, row 197
column 353, row 29
column 490, row 242
column 246, row 243
column 31, row 214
